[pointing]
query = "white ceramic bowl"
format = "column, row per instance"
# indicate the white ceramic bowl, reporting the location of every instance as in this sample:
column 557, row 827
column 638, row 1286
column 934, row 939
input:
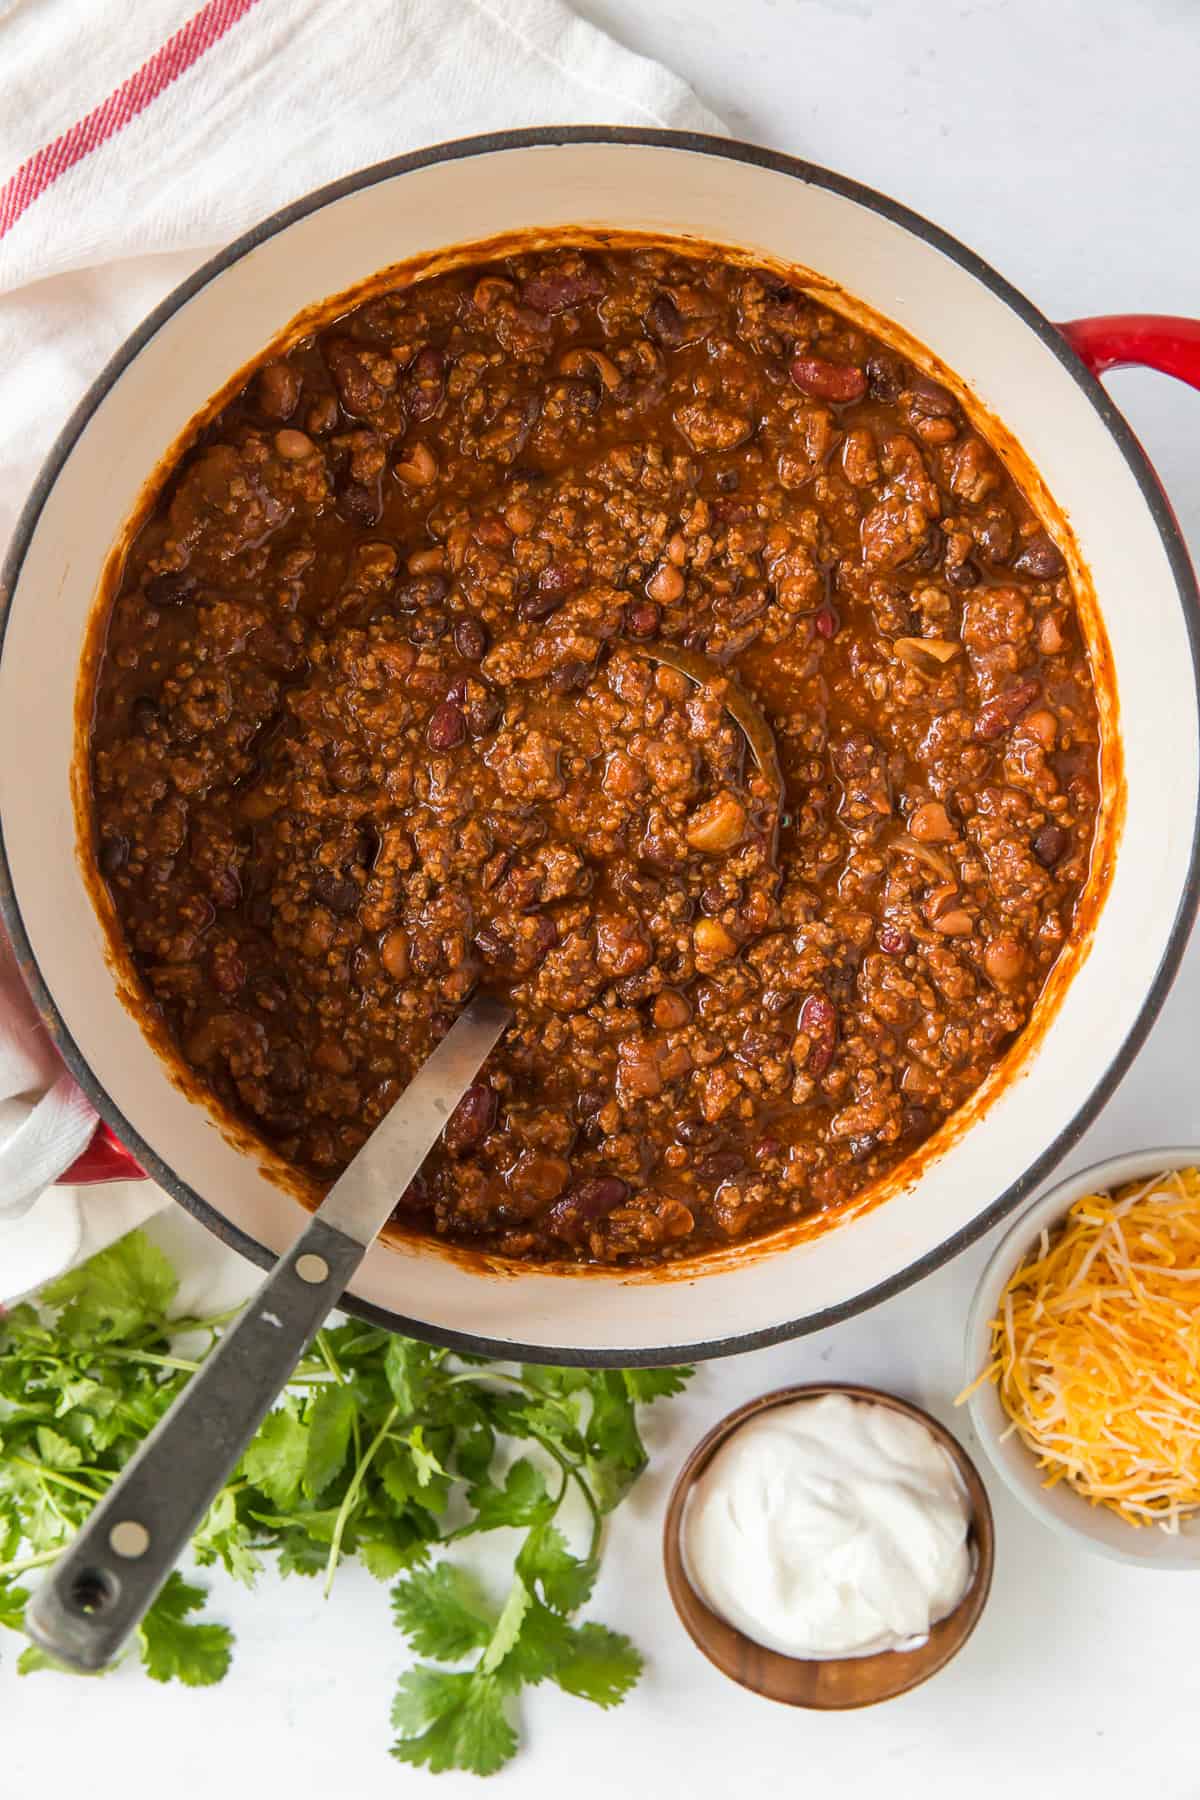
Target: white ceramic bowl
column 1020, row 367
column 1065, row 1512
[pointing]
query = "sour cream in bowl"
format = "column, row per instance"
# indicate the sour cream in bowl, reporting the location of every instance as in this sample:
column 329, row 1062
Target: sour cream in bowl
column 829, row 1546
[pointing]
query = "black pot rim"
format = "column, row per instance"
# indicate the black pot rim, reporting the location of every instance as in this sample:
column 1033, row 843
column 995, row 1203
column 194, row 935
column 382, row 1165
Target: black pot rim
column 1159, row 507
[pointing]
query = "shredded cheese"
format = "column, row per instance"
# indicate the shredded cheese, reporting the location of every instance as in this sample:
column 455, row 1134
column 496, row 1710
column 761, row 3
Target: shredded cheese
column 1096, row 1350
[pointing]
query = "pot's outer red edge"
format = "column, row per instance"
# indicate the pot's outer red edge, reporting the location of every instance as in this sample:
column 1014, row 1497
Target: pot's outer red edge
column 1142, row 470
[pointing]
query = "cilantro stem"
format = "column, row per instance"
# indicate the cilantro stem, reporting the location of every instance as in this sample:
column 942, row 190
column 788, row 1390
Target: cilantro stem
column 349, row 1498
column 45, row 1473
column 331, row 1361
column 154, row 1360
column 573, row 1471
column 30, row 1562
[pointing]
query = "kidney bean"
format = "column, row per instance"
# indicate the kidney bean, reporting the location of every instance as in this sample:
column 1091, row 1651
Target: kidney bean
column 894, row 940
column 997, row 716
column 1041, row 559
column 1050, row 844
column 839, row 383
column 928, row 553
column 962, row 575
column 994, row 537
column 826, row 620
column 559, row 289
column 642, row 619
column 226, row 888
column 172, row 588
column 144, row 715
column 586, row 1204
column 415, row 1198
column 470, row 639
column 472, row 1119
column 446, row 728
column 337, row 892
column 819, row 1022
column 419, row 592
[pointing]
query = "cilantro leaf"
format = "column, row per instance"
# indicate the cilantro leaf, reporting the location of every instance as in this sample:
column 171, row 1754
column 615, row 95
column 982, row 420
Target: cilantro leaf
column 599, row 1665
column 545, row 1561
column 616, row 1455
column 13, row 1601
column 276, row 1461
column 56, row 1451
column 443, row 1613
column 656, row 1384
column 330, row 1424
column 452, row 1721
column 172, row 1649
column 124, row 1287
column 523, row 1500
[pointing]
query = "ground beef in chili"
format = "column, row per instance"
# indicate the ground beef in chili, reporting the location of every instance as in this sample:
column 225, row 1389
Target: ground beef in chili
column 371, row 730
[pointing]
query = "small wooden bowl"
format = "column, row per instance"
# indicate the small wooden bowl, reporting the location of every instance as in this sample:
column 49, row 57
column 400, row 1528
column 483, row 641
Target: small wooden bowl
column 835, row 1683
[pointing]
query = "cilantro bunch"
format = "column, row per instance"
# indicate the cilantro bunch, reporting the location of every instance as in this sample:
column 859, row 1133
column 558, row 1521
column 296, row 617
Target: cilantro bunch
column 381, row 1449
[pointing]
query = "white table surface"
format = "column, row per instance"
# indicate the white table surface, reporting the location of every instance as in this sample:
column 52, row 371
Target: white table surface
column 1059, row 138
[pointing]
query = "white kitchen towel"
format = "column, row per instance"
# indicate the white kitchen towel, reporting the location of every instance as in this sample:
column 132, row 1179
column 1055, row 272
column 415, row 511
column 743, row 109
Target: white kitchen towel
column 134, row 141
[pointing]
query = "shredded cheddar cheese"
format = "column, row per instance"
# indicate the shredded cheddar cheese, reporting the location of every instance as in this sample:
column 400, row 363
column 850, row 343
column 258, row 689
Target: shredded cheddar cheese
column 1096, row 1350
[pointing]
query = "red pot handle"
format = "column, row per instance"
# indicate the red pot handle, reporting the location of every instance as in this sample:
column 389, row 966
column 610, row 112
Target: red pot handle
column 1145, row 340
column 1151, row 340
column 105, row 1159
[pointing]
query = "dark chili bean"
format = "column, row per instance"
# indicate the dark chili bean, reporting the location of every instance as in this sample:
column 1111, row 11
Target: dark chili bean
column 962, row 576
column 358, row 505
column 894, row 940
column 114, row 854
column 664, row 323
column 420, row 591
column 226, row 889
column 427, row 627
column 719, row 1165
column 569, row 677
column 1041, row 558
column 861, row 1147
column 930, row 399
column 426, row 386
column 826, row 621
column 545, row 936
column 997, row 716
column 1050, row 845
column 819, row 1022
column 994, row 537
column 446, row 727
column 776, row 1002
column 539, row 605
column 839, row 383
column 472, row 1119
column 456, row 693
column 916, row 1122
column 589, row 1101
column 886, row 377
column 642, row 619
column 416, row 1197
column 470, row 639
column 483, row 715
column 695, row 1132
column 586, row 1204
column 171, row 589
column 928, row 553
column 144, row 715
column 728, row 481
column 337, row 892
column 278, row 388
column 492, row 947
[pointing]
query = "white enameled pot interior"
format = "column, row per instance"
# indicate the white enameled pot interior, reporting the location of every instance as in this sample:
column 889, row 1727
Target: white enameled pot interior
column 672, row 190
column 1064, row 1511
